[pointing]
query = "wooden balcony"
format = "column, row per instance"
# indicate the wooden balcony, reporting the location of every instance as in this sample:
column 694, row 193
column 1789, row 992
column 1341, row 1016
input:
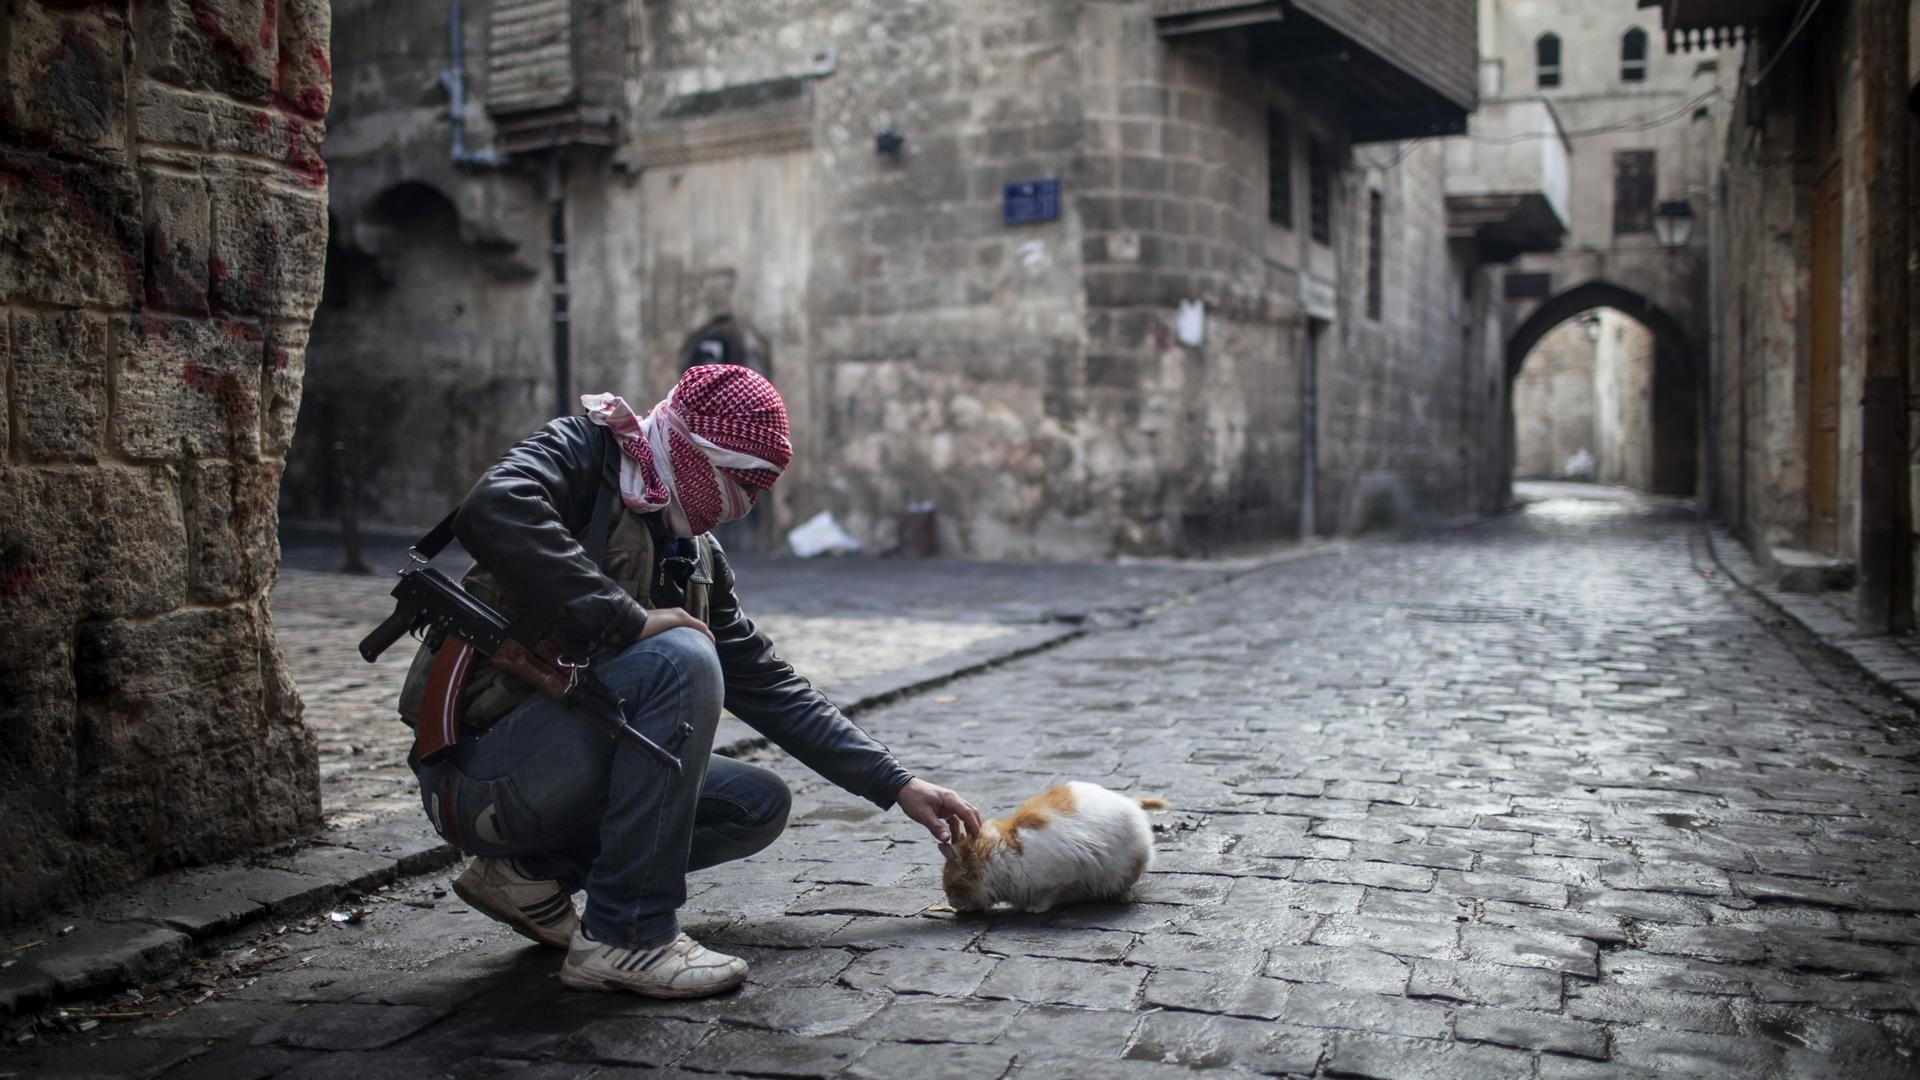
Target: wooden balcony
column 1399, row 69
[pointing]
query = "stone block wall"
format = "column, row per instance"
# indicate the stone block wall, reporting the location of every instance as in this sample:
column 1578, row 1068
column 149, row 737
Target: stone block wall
column 943, row 349
column 1175, row 211
column 1024, row 378
column 1833, row 114
column 1027, row 379
column 431, row 351
column 162, row 224
column 1407, row 399
column 1553, row 404
column 1624, row 395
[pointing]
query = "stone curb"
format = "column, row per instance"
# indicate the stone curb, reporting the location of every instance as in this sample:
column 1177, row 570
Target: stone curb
column 1888, row 660
column 155, row 927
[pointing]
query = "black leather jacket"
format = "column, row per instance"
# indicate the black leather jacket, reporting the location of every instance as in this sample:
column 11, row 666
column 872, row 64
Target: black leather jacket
column 520, row 521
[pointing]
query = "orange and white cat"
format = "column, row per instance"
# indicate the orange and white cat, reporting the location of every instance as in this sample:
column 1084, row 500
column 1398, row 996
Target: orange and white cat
column 1072, row 843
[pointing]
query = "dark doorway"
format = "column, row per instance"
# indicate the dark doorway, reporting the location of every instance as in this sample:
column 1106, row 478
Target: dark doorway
column 1676, row 427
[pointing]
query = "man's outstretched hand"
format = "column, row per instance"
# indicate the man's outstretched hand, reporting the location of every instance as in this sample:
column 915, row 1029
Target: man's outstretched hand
column 940, row 809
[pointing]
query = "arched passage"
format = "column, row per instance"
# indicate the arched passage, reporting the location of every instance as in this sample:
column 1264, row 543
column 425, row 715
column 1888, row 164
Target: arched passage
column 1678, row 379
column 425, row 361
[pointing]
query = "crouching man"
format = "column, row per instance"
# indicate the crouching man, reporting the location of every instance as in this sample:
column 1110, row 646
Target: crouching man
column 548, row 799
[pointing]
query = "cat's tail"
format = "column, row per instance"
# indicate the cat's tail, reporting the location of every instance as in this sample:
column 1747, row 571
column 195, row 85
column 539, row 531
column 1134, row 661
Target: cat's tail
column 1149, row 802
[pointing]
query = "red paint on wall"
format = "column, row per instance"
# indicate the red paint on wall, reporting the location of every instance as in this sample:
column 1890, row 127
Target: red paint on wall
column 311, row 101
column 89, row 202
column 245, row 333
column 166, row 284
column 233, row 397
column 321, row 60
column 309, row 166
column 18, row 571
column 211, row 29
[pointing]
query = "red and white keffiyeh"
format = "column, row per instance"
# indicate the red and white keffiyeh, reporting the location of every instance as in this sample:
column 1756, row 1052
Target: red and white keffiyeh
column 704, row 454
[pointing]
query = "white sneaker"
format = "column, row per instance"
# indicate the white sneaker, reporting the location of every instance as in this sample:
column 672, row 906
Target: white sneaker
column 682, row 968
column 540, row 910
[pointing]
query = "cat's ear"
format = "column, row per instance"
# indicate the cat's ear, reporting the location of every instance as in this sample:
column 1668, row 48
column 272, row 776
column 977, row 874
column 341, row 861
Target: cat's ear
column 951, row 855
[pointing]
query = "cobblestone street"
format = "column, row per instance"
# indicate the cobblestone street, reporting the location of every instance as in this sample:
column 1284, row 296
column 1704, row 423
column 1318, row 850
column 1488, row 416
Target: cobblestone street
column 1547, row 797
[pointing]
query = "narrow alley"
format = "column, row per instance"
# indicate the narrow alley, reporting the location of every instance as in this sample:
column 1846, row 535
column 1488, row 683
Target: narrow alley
column 1549, row 796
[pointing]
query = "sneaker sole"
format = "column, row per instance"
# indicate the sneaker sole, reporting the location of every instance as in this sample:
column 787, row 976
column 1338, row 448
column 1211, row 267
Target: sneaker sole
column 511, row 917
column 596, row 983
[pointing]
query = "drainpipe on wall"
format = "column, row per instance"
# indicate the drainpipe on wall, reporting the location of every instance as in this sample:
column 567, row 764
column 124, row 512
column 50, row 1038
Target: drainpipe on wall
column 1310, row 435
column 562, row 336
column 455, row 80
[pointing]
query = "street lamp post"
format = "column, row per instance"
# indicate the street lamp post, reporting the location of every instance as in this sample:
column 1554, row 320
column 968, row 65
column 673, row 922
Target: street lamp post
column 1673, row 223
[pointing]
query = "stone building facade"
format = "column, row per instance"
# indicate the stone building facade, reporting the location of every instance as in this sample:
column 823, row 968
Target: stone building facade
column 1816, row 254
column 1640, row 126
column 837, row 177
column 162, row 221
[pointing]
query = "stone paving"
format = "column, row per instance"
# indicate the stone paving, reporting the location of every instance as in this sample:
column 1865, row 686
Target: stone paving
column 1547, row 797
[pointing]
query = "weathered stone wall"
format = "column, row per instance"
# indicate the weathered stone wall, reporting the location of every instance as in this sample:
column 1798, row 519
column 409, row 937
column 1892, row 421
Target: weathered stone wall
column 1027, row 379
column 431, row 350
column 1623, row 375
column 1407, row 399
column 1554, row 404
column 162, row 222
column 1781, row 155
column 1761, row 395
column 1024, row 379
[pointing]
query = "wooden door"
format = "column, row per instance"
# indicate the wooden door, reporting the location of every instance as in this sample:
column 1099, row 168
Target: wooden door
column 1823, row 317
column 733, row 237
column 1823, row 402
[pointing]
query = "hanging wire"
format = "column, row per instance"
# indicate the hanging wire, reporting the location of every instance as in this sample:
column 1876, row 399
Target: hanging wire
column 1643, row 122
column 1800, row 22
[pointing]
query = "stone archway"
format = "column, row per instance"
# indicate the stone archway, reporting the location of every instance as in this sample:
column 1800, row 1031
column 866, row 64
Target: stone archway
column 1679, row 379
column 1597, row 294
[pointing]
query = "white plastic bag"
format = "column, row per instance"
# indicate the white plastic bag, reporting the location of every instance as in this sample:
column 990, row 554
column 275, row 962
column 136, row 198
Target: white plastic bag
column 821, row 535
column 1190, row 325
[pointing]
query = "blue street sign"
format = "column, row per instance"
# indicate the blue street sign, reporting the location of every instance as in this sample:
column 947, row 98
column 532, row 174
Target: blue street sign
column 1028, row 201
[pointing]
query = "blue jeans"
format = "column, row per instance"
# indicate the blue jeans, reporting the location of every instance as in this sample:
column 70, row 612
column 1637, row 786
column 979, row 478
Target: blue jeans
column 568, row 801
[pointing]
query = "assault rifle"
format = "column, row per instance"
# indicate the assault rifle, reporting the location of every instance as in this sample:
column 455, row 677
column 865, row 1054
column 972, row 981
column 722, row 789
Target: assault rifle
column 431, row 603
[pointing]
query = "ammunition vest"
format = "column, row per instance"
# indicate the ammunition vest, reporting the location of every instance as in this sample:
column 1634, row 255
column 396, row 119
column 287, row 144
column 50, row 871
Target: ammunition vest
column 633, row 561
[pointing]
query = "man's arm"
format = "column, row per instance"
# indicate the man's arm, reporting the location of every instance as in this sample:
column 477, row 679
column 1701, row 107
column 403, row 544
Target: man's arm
column 519, row 522
column 765, row 691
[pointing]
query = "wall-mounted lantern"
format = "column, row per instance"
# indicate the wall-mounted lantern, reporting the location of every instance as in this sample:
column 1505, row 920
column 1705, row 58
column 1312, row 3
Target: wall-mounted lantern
column 1673, row 223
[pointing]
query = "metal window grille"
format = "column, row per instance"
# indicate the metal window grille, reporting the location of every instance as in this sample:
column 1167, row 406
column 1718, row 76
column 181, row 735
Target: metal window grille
column 1633, row 183
column 1279, row 169
column 1319, row 191
column 1376, row 244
